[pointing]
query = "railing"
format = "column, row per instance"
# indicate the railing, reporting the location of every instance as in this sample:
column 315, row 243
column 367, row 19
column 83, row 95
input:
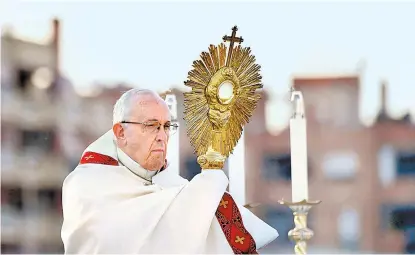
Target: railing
column 26, row 110
column 31, row 228
column 11, row 224
column 32, row 170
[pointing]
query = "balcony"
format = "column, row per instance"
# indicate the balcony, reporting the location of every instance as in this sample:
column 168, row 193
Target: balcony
column 43, row 229
column 28, row 111
column 31, row 228
column 32, row 170
column 11, row 224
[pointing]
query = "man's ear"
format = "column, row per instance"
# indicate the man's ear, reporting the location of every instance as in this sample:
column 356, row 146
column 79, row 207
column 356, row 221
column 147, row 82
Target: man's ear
column 119, row 133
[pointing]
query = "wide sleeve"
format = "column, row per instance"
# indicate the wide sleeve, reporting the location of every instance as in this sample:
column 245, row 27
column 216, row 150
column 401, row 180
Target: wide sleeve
column 185, row 225
column 262, row 233
column 109, row 213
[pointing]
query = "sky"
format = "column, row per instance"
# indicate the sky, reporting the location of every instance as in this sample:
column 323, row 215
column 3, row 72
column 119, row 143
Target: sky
column 153, row 44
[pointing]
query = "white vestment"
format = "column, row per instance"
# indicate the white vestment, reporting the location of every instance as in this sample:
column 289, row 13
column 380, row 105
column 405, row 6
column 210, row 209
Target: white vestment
column 123, row 209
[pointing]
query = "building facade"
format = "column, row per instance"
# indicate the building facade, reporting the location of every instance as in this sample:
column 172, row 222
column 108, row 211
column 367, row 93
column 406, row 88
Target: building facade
column 33, row 165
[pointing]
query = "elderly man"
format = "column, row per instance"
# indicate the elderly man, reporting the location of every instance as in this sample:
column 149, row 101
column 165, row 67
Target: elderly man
column 122, row 198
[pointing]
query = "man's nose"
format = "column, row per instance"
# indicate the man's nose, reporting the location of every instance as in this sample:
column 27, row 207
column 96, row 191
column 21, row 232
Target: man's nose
column 161, row 135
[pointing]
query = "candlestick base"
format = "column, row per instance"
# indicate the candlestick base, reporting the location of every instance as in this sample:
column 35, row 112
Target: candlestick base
column 300, row 234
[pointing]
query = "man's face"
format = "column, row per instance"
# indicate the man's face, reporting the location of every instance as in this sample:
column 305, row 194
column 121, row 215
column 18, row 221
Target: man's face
column 147, row 143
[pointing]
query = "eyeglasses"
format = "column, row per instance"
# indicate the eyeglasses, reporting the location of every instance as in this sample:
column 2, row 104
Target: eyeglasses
column 153, row 126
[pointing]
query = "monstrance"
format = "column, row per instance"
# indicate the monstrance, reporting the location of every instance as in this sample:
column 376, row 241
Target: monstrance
column 224, row 83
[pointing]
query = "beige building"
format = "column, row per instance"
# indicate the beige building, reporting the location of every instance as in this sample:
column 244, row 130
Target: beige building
column 32, row 165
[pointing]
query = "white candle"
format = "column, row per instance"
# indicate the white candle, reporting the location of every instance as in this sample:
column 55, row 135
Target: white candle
column 236, row 171
column 298, row 142
column 173, row 150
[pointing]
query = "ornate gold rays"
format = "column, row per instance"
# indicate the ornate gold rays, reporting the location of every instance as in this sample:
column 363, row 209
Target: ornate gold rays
column 223, row 96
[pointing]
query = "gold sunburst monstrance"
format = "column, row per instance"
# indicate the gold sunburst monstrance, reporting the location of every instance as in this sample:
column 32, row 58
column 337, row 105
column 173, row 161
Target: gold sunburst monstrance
column 223, row 97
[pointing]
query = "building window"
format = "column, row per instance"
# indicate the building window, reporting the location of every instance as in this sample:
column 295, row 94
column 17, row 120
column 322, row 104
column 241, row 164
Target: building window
column 39, row 139
column 192, row 167
column 386, row 165
column 405, row 163
column 282, row 220
column 23, row 78
column 12, row 196
column 403, row 218
column 385, row 212
column 340, row 165
column 277, row 167
column 410, row 240
column 399, row 217
column 49, row 199
column 349, row 229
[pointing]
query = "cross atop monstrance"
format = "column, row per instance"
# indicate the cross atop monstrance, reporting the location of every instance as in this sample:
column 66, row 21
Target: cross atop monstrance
column 233, row 39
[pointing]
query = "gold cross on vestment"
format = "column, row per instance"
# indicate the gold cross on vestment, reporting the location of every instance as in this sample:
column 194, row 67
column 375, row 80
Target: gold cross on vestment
column 232, row 39
column 223, row 203
column 239, row 239
column 89, row 157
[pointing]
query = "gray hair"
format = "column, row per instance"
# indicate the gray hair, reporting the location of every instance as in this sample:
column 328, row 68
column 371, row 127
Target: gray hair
column 122, row 107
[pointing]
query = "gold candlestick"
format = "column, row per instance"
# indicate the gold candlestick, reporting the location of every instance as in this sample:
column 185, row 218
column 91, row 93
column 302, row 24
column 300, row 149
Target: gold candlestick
column 300, row 233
